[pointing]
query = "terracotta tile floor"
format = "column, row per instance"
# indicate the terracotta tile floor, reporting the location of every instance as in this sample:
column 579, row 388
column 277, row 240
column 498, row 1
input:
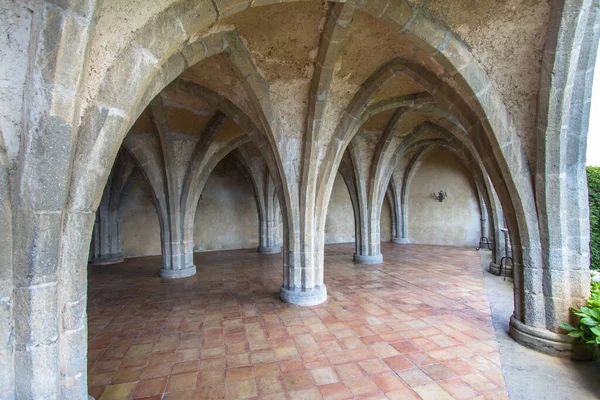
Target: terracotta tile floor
column 417, row 326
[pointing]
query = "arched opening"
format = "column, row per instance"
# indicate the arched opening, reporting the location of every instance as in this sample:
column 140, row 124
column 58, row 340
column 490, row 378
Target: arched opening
column 339, row 227
column 308, row 100
column 226, row 217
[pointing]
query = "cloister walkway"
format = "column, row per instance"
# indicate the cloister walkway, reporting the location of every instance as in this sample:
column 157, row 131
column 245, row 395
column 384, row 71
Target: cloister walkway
column 416, row 326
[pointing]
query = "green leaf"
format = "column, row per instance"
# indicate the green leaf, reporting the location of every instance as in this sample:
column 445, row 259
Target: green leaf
column 596, row 331
column 567, row 327
column 588, row 321
column 575, row 334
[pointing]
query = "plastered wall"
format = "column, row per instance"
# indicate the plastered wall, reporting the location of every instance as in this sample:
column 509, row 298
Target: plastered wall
column 456, row 220
column 139, row 219
column 339, row 225
column 226, row 217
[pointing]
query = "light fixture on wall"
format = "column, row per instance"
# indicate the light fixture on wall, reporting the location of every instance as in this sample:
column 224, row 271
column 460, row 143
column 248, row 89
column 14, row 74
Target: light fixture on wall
column 440, row 196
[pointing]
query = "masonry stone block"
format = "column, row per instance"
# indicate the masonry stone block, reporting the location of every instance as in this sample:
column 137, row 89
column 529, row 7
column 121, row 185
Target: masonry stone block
column 38, row 262
column 42, row 361
column 36, row 315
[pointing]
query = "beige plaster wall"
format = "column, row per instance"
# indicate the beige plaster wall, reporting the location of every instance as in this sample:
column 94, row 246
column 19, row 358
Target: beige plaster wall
column 139, row 220
column 455, row 221
column 226, row 217
column 339, row 225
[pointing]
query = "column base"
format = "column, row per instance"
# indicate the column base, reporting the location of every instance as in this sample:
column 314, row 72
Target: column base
column 269, row 249
column 401, row 240
column 495, row 269
column 177, row 273
column 109, row 259
column 300, row 297
column 376, row 259
column 547, row 342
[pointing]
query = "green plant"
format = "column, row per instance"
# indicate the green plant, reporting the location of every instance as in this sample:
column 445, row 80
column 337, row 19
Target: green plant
column 593, row 175
column 588, row 329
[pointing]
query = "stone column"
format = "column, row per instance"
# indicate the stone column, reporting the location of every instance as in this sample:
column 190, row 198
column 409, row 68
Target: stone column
column 368, row 247
column 252, row 165
column 546, row 293
column 106, row 238
column 367, row 236
column 269, row 222
column 51, row 239
column 395, row 197
column 177, row 242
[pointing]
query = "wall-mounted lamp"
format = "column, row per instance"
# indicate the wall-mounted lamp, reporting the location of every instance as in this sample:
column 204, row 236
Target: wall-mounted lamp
column 440, row 196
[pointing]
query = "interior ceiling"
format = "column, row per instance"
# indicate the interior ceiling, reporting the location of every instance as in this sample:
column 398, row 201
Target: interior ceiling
column 284, row 49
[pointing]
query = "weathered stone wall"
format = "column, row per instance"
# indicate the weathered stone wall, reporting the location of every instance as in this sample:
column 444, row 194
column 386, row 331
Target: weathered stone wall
column 139, row 223
column 229, row 210
column 339, row 227
column 456, row 220
column 507, row 38
column 15, row 20
column 226, row 217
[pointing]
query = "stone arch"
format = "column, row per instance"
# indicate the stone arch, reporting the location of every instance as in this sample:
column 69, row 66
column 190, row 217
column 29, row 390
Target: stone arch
column 113, row 113
column 391, row 148
column 151, row 171
column 412, row 168
column 483, row 117
column 156, row 55
column 444, row 95
column 562, row 120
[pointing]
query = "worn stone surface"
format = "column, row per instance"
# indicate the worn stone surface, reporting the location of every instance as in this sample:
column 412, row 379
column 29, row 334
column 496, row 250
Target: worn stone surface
column 303, row 82
column 455, row 221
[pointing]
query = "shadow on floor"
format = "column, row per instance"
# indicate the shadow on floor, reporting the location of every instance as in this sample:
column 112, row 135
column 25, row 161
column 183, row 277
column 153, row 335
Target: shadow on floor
column 529, row 374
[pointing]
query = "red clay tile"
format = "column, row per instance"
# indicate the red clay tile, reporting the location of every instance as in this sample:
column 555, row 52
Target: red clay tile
column 151, row 387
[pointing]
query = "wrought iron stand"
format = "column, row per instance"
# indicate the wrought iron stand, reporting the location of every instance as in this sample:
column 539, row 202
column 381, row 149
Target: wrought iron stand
column 484, row 241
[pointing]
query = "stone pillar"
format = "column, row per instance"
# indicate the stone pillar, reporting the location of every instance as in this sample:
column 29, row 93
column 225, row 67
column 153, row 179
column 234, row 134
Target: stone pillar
column 106, row 238
column 51, row 241
column 395, row 198
column 177, row 242
column 254, row 168
column 269, row 218
column 545, row 294
column 7, row 327
column 303, row 274
column 368, row 247
column 177, row 251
